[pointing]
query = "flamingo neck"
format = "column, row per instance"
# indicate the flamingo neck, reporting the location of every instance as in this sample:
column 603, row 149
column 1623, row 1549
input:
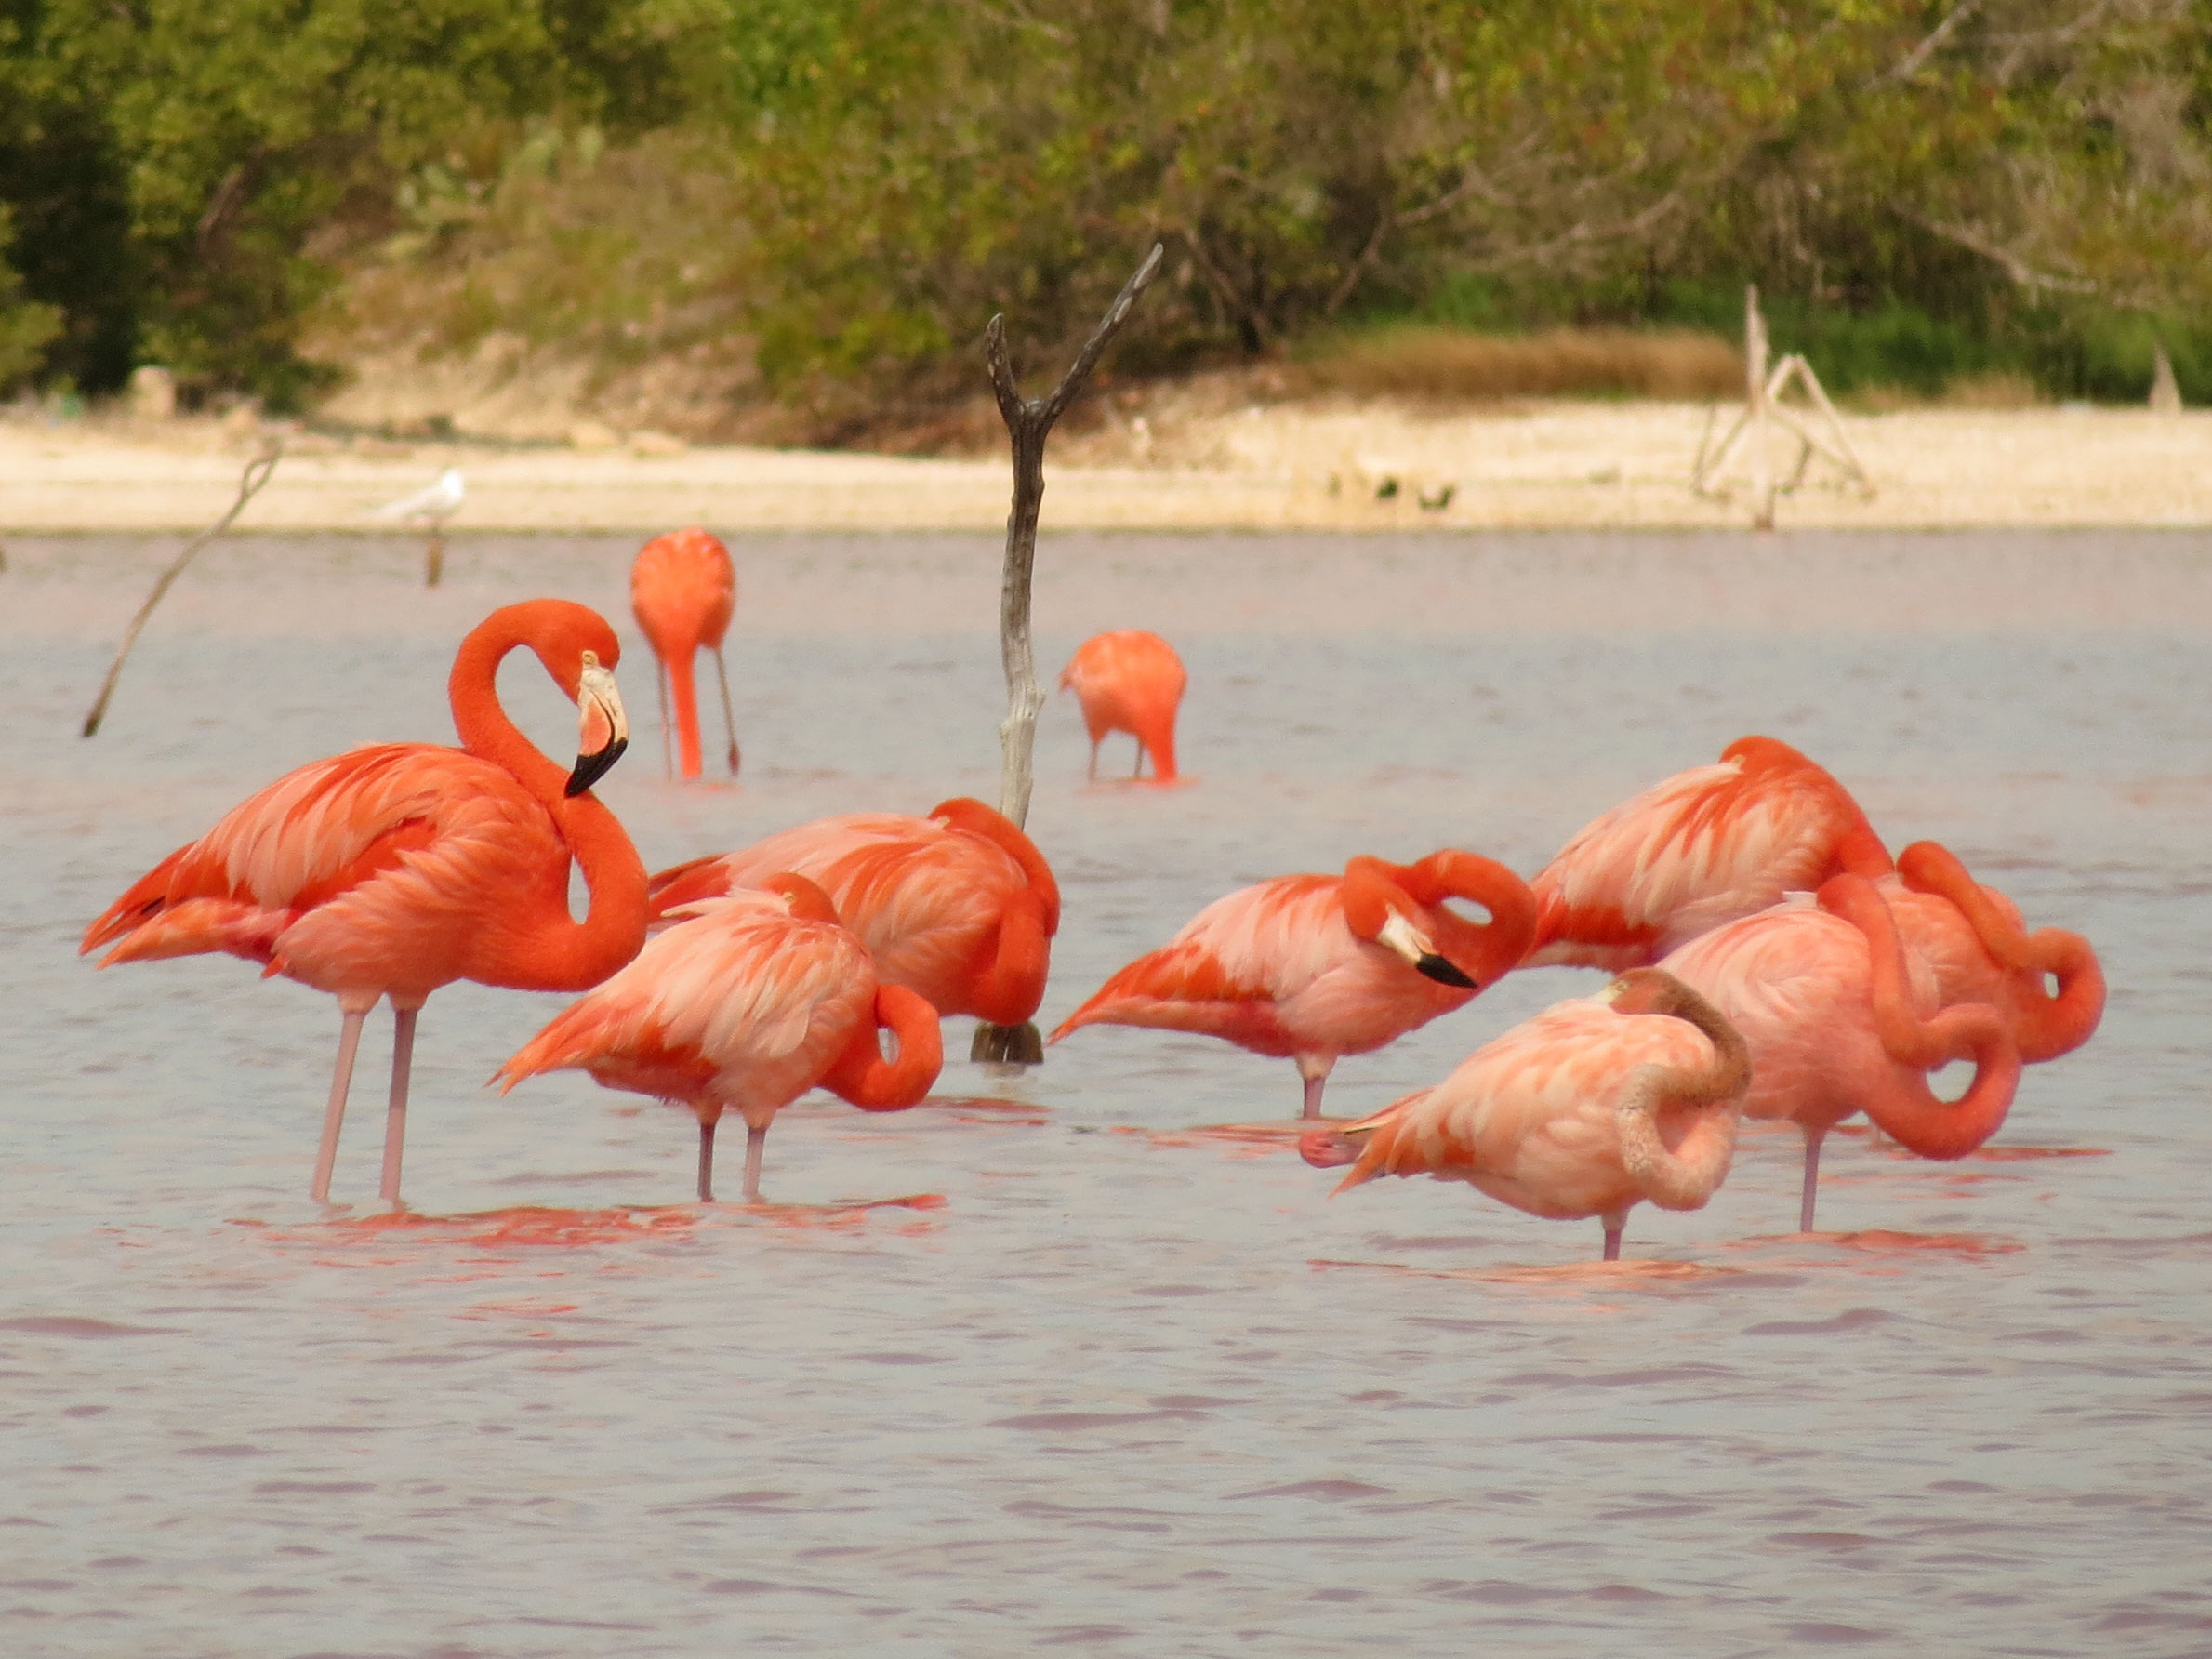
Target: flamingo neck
column 862, row 1076
column 1685, row 1176
column 1011, row 986
column 1485, row 949
column 549, row 950
column 963, row 812
column 683, row 697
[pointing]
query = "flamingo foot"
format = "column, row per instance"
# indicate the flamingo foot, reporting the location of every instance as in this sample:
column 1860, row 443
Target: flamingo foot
column 1324, row 1149
column 1007, row 1046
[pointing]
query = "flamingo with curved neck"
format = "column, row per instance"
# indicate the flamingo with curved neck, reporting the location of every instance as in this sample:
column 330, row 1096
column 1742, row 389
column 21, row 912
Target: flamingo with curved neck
column 1994, row 958
column 391, row 870
column 1589, row 1108
column 758, row 997
column 1315, row 967
column 959, row 906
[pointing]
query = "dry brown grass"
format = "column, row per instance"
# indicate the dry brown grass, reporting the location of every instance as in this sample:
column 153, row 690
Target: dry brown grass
column 1450, row 365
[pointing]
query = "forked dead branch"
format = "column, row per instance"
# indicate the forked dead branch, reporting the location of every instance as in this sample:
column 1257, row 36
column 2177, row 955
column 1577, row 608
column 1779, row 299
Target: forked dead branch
column 1029, row 424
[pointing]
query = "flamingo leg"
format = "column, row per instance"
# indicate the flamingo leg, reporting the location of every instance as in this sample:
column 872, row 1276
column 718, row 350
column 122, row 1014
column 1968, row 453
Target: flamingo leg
column 334, row 1114
column 1313, row 1095
column 1614, row 1226
column 660, row 683
column 729, row 720
column 433, row 558
column 1812, row 1177
column 707, row 1159
column 1094, row 760
column 1137, row 770
column 395, row 1112
column 755, row 1141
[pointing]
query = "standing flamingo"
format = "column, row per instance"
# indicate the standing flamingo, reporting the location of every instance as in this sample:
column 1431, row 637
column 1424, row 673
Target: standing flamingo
column 682, row 589
column 959, row 906
column 1699, row 849
column 757, row 999
column 1129, row 682
column 1586, row 1109
column 1318, row 966
column 1973, row 937
column 396, row 868
column 1840, row 1017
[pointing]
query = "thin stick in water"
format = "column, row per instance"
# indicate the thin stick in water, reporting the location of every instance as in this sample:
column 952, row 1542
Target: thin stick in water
column 249, row 484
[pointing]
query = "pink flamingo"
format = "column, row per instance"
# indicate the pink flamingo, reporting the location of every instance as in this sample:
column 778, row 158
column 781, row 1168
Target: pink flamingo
column 1973, row 937
column 1699, row 849
column 1129, row 682
column 959, row 906
column 1588, row 1109
column 757, row 998
column 682, row 589
column 394, row 869
column 1315, row 967
column 1839, row 1017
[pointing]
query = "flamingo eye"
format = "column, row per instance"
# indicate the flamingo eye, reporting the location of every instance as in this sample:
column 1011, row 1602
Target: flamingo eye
column 590, row 659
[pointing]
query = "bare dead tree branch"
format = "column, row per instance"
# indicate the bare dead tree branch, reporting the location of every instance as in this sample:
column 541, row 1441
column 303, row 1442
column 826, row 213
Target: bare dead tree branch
column 2026, row 275
column 250, row 485
column 1905, row 68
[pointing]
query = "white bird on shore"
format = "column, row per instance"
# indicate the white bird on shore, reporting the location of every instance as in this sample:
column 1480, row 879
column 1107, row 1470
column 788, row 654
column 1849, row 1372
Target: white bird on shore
column 431, row 507
column 434, row 504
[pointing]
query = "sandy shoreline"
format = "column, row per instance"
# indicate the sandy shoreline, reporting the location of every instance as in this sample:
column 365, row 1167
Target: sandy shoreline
column 1567, row 465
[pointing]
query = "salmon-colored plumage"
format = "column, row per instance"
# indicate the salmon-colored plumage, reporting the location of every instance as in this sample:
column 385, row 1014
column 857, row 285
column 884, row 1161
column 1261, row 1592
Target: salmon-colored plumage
column 758, row 997
column 1840, row 1018
column 959, row 906
column 682, row 589
column 1699, row 849
column 1588, row 1109
column 1129, row 682
column 1314, row 966
column 394, row 869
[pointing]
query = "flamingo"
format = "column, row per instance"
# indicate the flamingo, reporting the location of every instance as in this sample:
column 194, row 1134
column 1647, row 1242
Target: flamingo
column 959, row 906
column 1315, row 966
column 1840, row 1017
column 392, row 870
column 1586, row 1109
column 1699, row 849
column 1973, row 937
column 682, row 589
column 757, row 998
column 1129, row 682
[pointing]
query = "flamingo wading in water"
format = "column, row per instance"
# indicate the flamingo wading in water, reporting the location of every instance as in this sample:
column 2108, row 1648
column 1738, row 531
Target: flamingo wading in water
column 755, row 998
column 1315, row 967
column 959, row 906
column 683, row 589
column 1590, row 1107
column 1129, row 682
column 1699, row 849
column 396, row 868
column 1839, row 1017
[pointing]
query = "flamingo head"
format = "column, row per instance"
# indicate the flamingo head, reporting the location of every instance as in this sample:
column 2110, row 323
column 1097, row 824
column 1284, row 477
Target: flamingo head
column 603, row 729
column 1400, row 937
column 808, row 902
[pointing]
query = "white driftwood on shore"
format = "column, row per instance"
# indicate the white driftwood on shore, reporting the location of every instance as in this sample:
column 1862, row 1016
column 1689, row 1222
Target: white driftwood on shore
column 1817, row 427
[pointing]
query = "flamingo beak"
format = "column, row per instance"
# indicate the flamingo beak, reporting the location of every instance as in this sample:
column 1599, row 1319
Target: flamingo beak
column 1398, row 936
column 602, row 730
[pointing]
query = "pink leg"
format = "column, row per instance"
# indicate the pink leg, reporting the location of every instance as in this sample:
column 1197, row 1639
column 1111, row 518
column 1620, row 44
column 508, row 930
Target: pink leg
column 756, row 1140
column 1137, row 770
column 1094, row 760
column 395, row 1113
column 1313, row 1095
column 729, row 720
column 707, row 1159
column 1614, row 1226
column 660, row 683
column 334, row 1114
column 1812, row 1177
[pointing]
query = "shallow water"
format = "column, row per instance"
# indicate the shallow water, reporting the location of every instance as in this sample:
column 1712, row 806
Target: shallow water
column 1126, row 1388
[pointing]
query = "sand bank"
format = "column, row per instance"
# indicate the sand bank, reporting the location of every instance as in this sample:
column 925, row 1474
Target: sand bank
column 1567, row 465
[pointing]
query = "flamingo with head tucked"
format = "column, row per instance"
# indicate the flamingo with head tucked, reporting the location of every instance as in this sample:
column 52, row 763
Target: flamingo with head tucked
column 1589, row 1108
column 1974, row 939
column 757, row 998
column 1315, row 967
column 1697, row 850
column 391, row 870
column 1840, row 1017
column 1129, row 682
column 959, row 906
column 683, row 589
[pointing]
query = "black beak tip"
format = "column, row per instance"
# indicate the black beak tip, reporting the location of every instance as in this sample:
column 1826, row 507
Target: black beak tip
column 590, row 768
column 1445, row 973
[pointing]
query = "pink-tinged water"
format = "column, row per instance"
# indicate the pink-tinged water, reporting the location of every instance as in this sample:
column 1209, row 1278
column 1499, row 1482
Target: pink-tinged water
column 1126, row 1388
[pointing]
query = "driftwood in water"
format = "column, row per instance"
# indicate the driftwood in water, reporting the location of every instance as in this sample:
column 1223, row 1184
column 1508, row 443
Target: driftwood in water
column 1028, row 423
column 250, row 485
